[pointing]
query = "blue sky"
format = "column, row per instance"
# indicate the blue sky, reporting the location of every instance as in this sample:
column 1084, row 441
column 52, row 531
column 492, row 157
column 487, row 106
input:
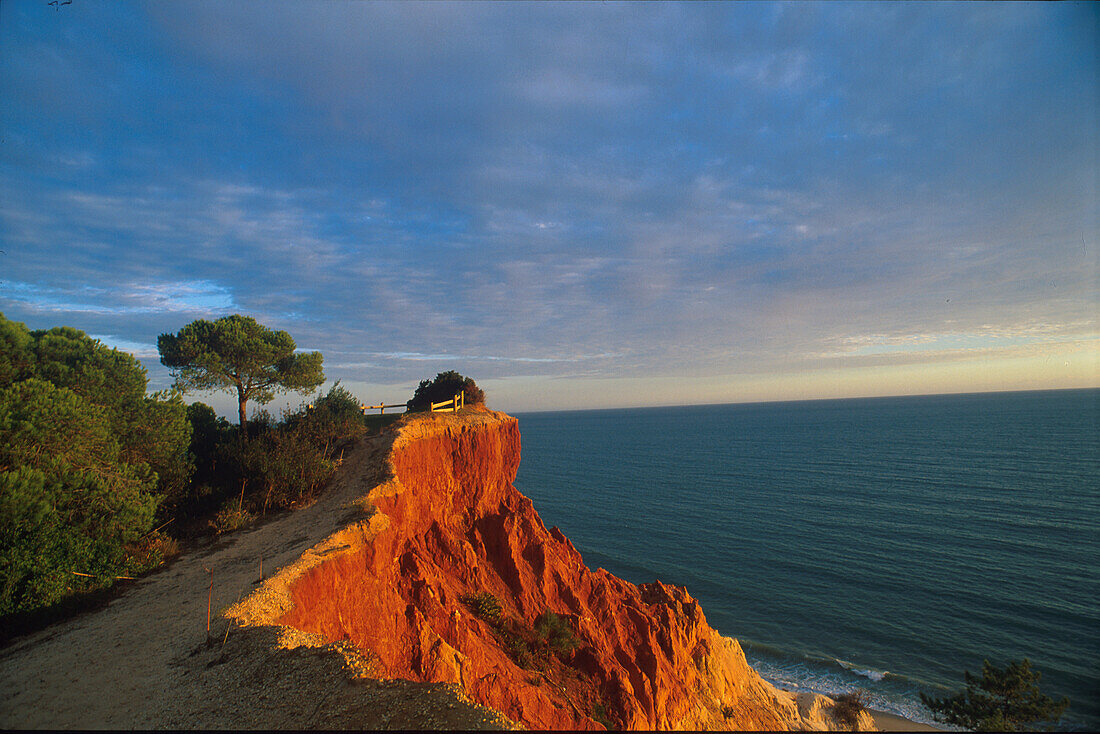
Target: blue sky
column 579, row 204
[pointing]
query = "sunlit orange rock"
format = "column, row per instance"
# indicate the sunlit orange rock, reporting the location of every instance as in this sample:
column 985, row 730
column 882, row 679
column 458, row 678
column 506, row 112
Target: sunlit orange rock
column 449, row 523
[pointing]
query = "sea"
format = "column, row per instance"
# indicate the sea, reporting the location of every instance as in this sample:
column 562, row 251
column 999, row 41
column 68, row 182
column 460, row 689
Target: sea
column 882, row 544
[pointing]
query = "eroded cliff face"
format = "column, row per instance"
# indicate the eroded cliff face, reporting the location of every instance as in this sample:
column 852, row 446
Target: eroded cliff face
column 448, row 525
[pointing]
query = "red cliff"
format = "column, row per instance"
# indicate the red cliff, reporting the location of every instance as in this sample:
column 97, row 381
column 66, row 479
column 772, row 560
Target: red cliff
column 448, row 528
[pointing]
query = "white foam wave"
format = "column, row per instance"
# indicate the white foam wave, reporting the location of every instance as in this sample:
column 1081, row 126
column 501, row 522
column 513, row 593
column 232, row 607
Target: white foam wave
column 870, row 673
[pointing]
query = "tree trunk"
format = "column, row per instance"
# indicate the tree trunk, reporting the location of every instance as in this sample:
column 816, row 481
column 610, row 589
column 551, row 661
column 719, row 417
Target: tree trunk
column 242, row 400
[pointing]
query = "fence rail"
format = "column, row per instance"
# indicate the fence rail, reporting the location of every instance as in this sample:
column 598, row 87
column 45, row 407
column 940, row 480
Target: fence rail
column 450, row 406
column 381, row 408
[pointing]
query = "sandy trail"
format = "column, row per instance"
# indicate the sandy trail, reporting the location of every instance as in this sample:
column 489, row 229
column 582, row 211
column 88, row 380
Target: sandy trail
column 143, row 661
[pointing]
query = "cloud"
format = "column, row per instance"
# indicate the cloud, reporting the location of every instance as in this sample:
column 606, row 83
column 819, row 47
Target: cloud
column 202, row 297
column 138, row 349
column 553, row 190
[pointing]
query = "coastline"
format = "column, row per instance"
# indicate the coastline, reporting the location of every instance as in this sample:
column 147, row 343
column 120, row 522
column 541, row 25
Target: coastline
column 884, row 720
column 892, row 722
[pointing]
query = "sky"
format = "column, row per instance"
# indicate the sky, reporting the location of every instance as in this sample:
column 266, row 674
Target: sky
column 579, row 205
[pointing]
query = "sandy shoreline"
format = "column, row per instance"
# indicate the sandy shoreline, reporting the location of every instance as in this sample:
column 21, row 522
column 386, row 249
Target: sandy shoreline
column 884, row 720
column 892, row 722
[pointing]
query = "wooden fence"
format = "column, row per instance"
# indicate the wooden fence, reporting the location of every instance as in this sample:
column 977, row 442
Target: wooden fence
column 450, row 406
column 447, row 406
column 381, row 408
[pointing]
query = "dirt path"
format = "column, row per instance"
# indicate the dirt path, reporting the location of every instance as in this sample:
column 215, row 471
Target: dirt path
column 143, row 661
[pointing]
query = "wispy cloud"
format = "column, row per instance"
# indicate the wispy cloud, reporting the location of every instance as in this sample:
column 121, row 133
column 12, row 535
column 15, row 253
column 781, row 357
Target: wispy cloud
column 557, row 190
column 201, row 297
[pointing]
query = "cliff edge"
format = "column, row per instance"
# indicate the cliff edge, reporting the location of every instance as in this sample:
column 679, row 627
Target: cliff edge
column 444, row 528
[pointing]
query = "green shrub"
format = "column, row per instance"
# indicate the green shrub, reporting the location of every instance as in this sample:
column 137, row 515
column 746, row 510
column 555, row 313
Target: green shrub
column 484, row 605
column 231, row 517
column 68, row 502
column 53, row 525
column 444, row 387
column 334, row 420
column 600, row 714
column 555, row 633
column 151, row 550
column 151, row 430
column 518, row 648
column 287, row 466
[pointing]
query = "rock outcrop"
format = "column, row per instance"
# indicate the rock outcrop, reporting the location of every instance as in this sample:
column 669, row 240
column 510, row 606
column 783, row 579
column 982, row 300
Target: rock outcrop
column 447, row 529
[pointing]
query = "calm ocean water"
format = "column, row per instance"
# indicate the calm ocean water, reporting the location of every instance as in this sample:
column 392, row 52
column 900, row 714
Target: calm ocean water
column 885, row 544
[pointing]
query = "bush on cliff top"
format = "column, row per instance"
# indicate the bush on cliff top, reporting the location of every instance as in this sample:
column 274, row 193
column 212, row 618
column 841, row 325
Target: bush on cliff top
column 444, row 387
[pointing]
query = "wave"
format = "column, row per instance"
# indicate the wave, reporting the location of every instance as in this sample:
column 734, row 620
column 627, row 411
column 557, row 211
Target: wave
column 870, row 673
column 885, row 691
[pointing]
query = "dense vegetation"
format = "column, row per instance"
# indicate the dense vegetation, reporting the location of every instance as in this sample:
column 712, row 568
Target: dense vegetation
column 86, row 458
column 278, row 465
column 1001, row 700
column 100, row 480
column 444, row 387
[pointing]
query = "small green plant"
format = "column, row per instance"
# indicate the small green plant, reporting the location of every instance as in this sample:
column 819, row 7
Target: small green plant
column 727, row 712
column 599, row 714
column 484, row 605
column 848, row 706
column 231, row 517
column 554, row 633
column 151, row 550
column 521, row 652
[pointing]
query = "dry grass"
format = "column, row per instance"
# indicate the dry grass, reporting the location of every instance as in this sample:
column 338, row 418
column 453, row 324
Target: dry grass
column 849, row 706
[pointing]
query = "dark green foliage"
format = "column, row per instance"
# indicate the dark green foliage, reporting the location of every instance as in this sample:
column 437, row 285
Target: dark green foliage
column 286, row 465
column 53, row 524
column 444, row 387
column 728, row 711
column 554, row 633
column 49, row 428
column 848, row 707
column 238, row 353
column 1001, row 700
column 154, row 430
column 67, row 357
column 150, row 430
column 216, row 472
column 231, row 517
column 518, row 646
column 280, row 464
column 85, row 457
column 15, row 352
column 600, row 715
column 484, row 605
column 69, row 502
column 334, row 420
column 208, row 433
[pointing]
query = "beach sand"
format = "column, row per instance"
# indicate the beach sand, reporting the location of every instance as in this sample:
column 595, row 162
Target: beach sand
column 893, row 722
